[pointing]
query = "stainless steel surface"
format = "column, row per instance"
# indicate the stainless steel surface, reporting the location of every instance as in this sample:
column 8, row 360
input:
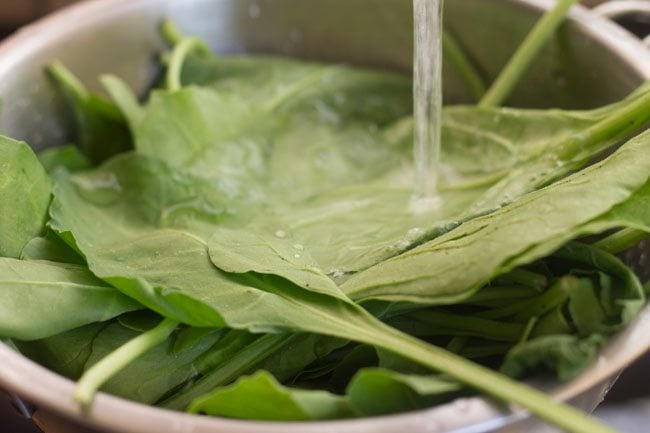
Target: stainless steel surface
column 590, row 62
column 633, row 14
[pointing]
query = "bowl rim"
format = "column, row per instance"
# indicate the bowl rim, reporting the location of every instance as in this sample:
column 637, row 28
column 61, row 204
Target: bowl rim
column 45, row 388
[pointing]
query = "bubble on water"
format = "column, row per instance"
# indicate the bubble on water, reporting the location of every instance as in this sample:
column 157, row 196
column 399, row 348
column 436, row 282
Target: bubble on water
column 415, row 233
column 423, row 205
column 101, row 188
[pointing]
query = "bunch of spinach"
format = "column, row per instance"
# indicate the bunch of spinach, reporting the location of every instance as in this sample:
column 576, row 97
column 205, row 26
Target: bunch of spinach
column 257, row 243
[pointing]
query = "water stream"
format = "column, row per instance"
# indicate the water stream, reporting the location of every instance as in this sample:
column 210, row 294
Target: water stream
column 427, row 100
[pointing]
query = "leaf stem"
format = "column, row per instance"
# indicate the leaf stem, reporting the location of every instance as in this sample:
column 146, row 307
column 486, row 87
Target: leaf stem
column 491, row 383
column 239, row 363
column 471, row 326
column 233, row 342
column 171, row 33
column 525, row 54
column 68, row 81
column 537, row 306
column 101, row 372
column 493, row 296
column 463, row 66
column 457, row 343
column 525, row 278
column 616, row 126
column 296, row 88
column 177, row 59
column 621, row 240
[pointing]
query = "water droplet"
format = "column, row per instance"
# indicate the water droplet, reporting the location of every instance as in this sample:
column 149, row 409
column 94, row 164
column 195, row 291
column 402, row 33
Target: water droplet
column 101, row 188
column 254, row 10
column 299, row 247
column 281, row 234
column 297, row 256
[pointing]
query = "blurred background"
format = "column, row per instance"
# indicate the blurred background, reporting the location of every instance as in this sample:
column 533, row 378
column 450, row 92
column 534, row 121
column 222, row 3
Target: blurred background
column 627, row 406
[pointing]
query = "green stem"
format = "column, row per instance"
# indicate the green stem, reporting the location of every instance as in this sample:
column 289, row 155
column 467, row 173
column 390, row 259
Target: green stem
column 529, row 329
column 471, row 326
column 619, row 125
column 171, row 33
column 101, row 372
column 486, row 350
column 463, row 66
column 227, row 347
column 487, row 381
column 68, row 81
column 239, row 363
column 525, row 54
column 525, row 278
column 496, row 296
column 535, row 307
column 177, row 59
column 457, row 344
column 296, row 88
column 621, row 240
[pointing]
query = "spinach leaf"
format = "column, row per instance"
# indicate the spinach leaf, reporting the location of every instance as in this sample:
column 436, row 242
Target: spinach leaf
column 129, row 250
column 219, row 136
column 563, row 355
column 124, row 98
column 239, row 352
column 40, row 299
column 24, row 196
column 333, row 93
column 490, row 245
column 299, row 353
column 65, row 353
column 261, row 397
column 152, row 375
column 68, row 157
column 101, row 131
column 377, row 391
column 51, row 248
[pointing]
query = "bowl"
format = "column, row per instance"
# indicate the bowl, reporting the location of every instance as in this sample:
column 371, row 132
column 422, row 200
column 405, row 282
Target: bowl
column 589, row 62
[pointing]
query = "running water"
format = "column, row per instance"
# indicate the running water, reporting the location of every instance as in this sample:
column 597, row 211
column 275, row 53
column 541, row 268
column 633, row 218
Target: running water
column 427, row 100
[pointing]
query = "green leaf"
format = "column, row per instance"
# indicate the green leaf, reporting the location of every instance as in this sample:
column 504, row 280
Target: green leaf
column 65, row 353
column 336, row 93
column 123, row 241
column 614, row 297
column 564, row 355
column 51, row 248
column 40, row 299
column 495, row 243
column 246, row 250
column 154, row 373
column 24, row 196
column 261, row 397
column 210, row 134
column 298, row 354
column 125, row 99
column 68, row 157
column 101, row 130
column 377, row 391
